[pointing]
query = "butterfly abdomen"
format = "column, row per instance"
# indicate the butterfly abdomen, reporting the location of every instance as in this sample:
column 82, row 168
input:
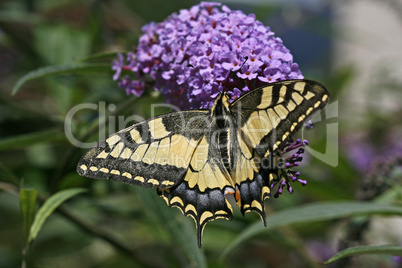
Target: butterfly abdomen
column 221, row 129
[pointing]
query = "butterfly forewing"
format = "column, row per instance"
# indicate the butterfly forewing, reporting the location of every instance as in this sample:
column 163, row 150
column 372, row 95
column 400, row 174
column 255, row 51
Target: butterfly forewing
column 153, row 153
column 268, row 117
column 271, row 114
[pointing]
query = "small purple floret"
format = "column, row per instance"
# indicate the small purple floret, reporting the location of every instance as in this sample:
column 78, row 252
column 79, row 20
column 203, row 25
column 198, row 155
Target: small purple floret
column 287, row 175
column 290, row 189
column 303, row 182
column 308, row 124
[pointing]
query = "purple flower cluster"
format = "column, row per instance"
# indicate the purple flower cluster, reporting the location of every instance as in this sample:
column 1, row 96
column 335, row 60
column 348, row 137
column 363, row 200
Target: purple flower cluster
column 194, row 55
column 288, row 175
column 364, row 153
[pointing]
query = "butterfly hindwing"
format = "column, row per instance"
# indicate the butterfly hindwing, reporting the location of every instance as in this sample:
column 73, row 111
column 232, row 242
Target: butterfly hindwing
column 152, row 153
column 201, row 193
column 201, row 206
column 251, row 187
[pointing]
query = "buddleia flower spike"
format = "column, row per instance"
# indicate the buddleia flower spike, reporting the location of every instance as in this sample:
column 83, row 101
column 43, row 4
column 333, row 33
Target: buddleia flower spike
column 216, row 41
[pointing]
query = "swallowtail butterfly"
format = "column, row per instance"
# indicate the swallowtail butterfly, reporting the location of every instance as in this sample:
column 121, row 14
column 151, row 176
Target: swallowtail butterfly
column 193, row 158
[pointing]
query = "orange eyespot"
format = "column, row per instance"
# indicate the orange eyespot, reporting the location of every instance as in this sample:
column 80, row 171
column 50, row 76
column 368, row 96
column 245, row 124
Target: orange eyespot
column 237, row 195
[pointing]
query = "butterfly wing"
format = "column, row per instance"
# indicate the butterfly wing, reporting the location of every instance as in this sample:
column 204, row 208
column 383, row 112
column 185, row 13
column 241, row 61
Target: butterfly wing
column 201, row 194
column 173, row 154
column 152, row 153
column 252, row 187
column 268, row 117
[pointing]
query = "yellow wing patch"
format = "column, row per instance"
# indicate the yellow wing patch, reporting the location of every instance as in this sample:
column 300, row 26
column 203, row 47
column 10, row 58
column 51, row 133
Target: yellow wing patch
column 204, row 174
column 157, row 129
column 247, row 163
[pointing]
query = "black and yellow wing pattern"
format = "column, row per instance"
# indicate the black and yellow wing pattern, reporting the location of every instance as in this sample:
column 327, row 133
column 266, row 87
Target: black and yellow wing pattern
column 195, row 157
column 269, row 116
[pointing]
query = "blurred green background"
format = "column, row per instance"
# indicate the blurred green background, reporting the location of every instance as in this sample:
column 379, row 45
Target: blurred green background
column 353, row 48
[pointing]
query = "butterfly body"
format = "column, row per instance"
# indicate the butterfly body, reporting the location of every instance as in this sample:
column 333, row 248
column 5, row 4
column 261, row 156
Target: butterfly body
column 195, row 157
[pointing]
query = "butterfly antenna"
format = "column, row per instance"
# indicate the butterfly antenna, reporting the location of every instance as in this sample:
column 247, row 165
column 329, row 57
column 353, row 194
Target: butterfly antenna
column 198, row 72
column 244, row 62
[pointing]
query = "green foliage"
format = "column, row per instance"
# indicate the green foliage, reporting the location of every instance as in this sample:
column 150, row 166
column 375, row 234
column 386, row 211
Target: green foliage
column 32, row 223
column 48, row 207
column 25, row 140
column 57, row 43
column 56, row 55
column 179, row 231
column 383, row 249
column 313, row 213
column 77, row 68
column 27, row 202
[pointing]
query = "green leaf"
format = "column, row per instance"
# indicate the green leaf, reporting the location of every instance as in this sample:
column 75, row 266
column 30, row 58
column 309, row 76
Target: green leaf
column 103, row 55
column 48, row 207
column 393, row 195
column 181, row 232
column 27, row 204
column 76, row 68
column 313, row 213
column 25, row 140
column 360, row 250
column 59, row 43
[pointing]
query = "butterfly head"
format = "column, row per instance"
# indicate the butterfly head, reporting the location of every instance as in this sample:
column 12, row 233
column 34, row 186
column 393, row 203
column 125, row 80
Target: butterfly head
column 221, row 105
column 225, row 98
